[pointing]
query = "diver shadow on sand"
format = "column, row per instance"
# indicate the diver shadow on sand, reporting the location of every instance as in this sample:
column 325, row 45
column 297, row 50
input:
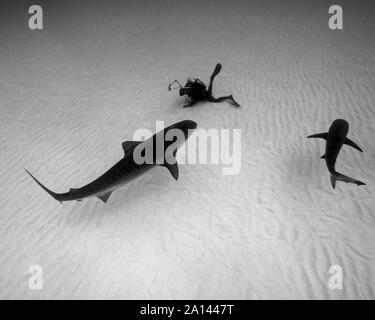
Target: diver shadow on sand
column 299, row 167
column 301, row 181
column 197, row 91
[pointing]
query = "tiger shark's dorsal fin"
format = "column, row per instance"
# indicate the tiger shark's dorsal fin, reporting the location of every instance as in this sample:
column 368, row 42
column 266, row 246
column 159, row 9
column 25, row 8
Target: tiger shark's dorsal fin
column 104, row 196
column 128, row 146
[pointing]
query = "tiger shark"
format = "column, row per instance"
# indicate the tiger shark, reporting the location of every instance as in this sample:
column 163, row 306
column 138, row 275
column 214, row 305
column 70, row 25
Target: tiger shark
column 161, row 150
column 336, row 137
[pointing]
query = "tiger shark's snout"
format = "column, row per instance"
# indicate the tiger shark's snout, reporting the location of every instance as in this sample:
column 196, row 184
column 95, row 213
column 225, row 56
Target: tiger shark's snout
column 186, row 126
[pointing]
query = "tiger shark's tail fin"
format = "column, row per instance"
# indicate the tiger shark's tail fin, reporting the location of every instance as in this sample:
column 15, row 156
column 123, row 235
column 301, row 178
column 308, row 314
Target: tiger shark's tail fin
column 54, row 195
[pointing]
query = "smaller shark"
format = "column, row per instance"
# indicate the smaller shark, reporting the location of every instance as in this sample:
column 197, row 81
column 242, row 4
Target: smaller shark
column 129, row 167
column 336, row 137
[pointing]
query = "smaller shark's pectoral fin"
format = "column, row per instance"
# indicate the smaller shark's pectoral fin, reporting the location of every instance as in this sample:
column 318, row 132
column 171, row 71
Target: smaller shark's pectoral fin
column 104, row 196
column 173, row 169
column 333, row 181
column 129, row 146
column 352, row 144
column 323, row 156
column 319, row 135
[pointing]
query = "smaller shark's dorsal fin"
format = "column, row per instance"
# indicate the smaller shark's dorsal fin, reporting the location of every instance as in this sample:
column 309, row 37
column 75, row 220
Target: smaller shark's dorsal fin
column 104, row 196
column 319, row 135
column 173, row 169
column 129, row 145
column 352, row 144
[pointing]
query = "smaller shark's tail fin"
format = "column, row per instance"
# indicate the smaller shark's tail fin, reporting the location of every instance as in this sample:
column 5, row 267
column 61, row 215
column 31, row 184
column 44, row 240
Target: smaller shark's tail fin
column 56, row 196
column 336, row 176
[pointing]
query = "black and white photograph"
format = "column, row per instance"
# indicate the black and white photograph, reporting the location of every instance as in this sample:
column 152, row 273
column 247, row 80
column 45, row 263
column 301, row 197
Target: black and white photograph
column 187, row 150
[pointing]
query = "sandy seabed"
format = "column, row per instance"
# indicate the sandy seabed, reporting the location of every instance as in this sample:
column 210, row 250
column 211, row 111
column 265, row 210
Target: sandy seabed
column 70, row 94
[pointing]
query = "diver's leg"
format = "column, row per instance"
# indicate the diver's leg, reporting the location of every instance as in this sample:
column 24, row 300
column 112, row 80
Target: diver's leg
column 214, row 74
column 212, row 99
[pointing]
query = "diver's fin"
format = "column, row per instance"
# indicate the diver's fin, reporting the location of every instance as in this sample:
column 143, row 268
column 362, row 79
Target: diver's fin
column 323, row 156
column 352, row 144
column 173, row 169
column 340, row 177
column 51, row 193
column 319, row 135
column 128, row 146
column 216, row 71
column 104, row 196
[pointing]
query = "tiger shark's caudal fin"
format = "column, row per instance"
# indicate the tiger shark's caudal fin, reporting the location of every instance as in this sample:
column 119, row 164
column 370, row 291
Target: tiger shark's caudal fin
column 336, row 176
column 51, row 193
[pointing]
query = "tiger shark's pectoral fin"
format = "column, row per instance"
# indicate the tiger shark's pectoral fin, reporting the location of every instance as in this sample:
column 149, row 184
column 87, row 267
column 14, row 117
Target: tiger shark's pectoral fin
column 129, row 146
column 319, row 135
column 323, row 156
column 352, row 144
column 173, row 169
column 104, row 196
